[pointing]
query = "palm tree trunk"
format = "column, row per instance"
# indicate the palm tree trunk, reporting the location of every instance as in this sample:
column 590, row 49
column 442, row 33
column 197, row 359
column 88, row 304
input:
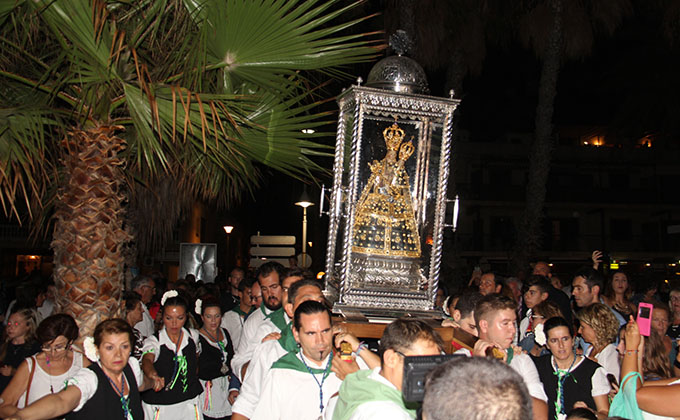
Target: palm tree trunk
column 529, row 238
column 88, row 234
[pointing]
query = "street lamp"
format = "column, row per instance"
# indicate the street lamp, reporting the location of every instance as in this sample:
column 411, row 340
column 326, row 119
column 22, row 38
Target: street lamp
column 228, row 229
column 304, row 202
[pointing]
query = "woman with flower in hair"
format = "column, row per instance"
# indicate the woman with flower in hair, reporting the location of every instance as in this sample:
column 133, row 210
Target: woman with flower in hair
column 171, row 362
column 220, row 390
column 569, row 380
column 107, row 390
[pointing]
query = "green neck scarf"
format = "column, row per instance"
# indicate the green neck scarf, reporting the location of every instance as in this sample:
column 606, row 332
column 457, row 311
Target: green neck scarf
column 358, row 388
column 287, row 340
column 292, row 362
column 278, row 318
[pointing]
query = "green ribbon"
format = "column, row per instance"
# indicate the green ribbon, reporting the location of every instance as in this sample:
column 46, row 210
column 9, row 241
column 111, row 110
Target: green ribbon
column 511, row 353
column 181, row 360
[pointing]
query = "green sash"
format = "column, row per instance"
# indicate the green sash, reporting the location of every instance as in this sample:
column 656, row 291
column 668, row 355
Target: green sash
column 292, row 362
column 358, row 388
column 510, row 352
column 287, row 340
column 278, row 318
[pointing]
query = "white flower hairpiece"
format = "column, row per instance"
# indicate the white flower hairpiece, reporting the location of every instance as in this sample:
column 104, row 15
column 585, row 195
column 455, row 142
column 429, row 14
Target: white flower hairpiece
column 90, row 349
column 197, row 308
column 539, row 335
column 167, row 295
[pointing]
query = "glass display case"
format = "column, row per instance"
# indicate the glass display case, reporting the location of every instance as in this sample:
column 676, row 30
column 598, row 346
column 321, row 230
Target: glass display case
column 389, row 195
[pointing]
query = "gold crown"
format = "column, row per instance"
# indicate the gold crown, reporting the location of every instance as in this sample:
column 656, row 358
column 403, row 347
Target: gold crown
column 393, row 136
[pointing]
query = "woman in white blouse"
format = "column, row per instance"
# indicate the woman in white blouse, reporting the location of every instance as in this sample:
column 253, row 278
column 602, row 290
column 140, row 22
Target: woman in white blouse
column 107, row 390
column 46, row 372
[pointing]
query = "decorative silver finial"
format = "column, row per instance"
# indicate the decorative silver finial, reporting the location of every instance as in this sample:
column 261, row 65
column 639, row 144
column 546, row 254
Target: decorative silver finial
column 451, row 94
column 401, row 42
column 359, row 81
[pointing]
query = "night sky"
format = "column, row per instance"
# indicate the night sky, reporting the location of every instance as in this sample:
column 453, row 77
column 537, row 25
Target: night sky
column 628, row 84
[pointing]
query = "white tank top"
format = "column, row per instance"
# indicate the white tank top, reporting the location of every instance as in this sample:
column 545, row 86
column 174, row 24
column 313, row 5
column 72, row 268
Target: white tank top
column 42, row 381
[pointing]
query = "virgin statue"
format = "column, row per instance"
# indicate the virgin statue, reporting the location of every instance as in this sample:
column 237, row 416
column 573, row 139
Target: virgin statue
column 385, row 221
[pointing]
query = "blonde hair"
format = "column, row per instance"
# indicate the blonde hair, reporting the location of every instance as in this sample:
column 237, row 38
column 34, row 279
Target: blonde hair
column 601, row 319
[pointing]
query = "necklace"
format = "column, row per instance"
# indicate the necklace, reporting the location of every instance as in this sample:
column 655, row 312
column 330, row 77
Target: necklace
column 223, row 351
column 49, row 372
column 121, row 392
column 326, row 371
column 180, row 366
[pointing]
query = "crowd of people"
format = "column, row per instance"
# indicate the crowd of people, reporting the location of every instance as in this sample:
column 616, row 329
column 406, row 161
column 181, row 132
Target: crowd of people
column 263, row 345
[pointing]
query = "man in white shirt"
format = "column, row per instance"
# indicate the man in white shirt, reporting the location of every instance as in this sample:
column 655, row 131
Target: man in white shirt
column 299, row 384
column 146, row 288
column 234, row 319
column 270, row 351
column 376, row 393
column 269, row 278
column 535, row 294
column 496, row 317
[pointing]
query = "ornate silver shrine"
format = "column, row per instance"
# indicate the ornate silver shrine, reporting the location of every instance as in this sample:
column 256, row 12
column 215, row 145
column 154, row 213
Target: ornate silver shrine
column 389, row 194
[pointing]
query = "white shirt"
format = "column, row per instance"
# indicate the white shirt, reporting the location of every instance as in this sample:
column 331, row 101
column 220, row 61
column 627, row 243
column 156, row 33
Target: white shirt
column 523, row 365
column 45, row 310
column 293, row 395
column 232, row 321
column 86, row 381
column 153, row 344
column 248, row 340
column 380, row 410
column 145, row 326
column 44, row 384
column 524, row 325
column 263, row 358
column 608, row 358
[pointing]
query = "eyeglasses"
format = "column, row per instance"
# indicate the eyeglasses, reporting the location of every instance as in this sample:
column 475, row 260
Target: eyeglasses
column 56, row 349
column 152, row 288
column 675, row 298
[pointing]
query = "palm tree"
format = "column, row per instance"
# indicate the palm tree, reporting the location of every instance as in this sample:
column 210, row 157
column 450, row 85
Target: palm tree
column 99, row 95
column 556, row 30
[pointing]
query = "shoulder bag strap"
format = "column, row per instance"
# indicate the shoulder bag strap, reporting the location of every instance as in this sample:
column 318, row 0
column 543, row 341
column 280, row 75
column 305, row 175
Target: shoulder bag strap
column 30, row 379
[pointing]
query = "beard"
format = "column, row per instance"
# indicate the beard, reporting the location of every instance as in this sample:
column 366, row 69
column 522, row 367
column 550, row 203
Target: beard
column 272, row 303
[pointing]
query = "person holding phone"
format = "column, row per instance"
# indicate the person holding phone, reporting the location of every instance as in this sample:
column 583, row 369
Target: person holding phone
column 655, row 398
column 570, row 380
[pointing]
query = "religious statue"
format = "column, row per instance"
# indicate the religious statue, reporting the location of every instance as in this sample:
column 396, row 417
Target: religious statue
column 385, row 222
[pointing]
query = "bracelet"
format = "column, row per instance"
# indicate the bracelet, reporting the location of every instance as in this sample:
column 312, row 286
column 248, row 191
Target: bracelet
column 361, row 346
column 631, row 352
column 676, row 363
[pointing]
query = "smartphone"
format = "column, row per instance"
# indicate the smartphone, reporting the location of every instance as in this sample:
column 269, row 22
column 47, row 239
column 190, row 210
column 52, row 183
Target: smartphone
column 612, row 380
column 644, row 318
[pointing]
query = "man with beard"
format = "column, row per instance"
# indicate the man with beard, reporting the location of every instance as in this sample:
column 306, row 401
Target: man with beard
column 269, row 277
column 299, row 384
